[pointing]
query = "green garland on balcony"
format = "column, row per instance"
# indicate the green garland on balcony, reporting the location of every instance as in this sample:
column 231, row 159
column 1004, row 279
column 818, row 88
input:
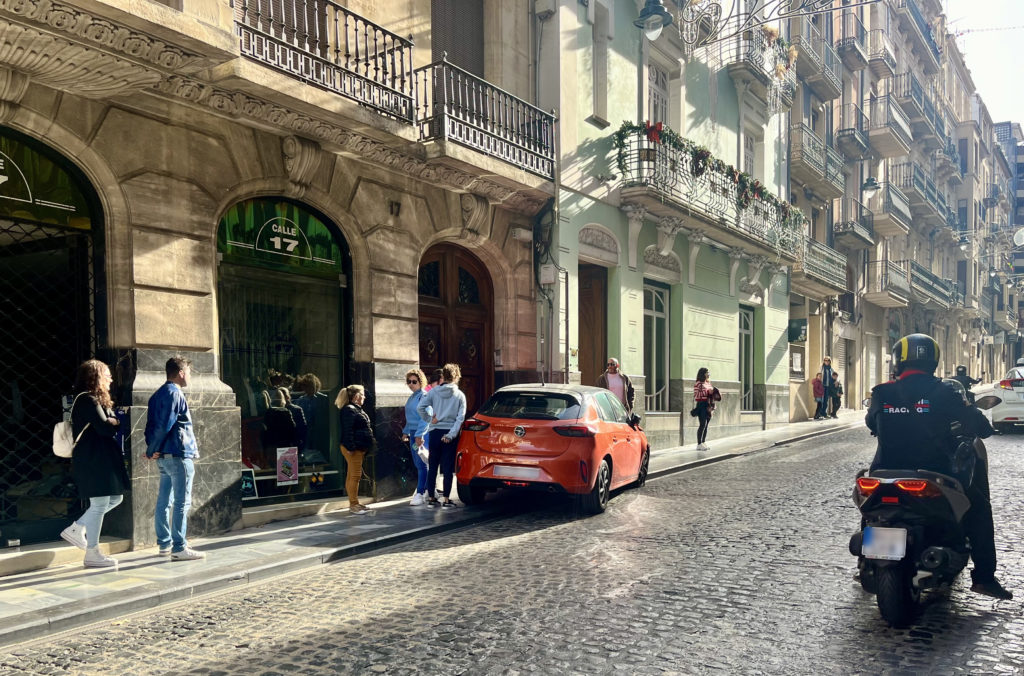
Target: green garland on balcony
column 748, row 188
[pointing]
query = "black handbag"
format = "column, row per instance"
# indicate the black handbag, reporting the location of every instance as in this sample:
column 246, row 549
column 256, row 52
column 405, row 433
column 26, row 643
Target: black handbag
column 693, row 412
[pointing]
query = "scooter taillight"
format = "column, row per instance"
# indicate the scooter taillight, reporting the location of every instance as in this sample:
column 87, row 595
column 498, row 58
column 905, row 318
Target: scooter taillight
column 866, row 485
column 919, row 487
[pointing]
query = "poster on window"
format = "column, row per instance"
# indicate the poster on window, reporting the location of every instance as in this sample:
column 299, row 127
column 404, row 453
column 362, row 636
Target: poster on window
column 287, row 466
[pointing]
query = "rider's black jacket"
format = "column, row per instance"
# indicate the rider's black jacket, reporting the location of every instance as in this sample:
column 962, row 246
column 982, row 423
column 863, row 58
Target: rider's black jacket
column 913, row 418
column 966, row 381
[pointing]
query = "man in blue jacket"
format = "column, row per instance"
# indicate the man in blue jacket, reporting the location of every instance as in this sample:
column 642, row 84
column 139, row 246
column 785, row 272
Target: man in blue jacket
column 171, row 442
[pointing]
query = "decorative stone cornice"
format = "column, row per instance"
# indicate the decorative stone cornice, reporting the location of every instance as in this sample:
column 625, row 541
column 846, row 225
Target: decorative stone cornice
column 668, row 228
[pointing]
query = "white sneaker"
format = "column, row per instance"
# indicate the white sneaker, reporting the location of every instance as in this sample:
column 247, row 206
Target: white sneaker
column 187, row 554
column 74, row 534
column 94, row 558
column 706, row 447
column 417, row 499
column 700, row 447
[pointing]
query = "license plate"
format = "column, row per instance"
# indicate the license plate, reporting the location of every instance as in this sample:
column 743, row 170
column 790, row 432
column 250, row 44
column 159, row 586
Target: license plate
column 516, row 472
column 884, row 543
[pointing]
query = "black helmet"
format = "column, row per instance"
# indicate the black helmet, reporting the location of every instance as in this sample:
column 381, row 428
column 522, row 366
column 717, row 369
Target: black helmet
column 961, row 370
column 917, row 351
column 958, row 388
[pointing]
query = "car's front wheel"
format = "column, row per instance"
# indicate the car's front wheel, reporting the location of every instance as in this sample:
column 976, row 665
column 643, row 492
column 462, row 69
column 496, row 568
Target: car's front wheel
column 645, row 467
column 596, row 500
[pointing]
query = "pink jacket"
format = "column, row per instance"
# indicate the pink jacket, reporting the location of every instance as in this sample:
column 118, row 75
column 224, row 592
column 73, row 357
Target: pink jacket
column 819, row 388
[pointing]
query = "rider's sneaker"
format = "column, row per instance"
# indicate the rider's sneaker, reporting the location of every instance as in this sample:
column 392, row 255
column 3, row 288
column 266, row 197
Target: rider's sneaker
column 992, row 588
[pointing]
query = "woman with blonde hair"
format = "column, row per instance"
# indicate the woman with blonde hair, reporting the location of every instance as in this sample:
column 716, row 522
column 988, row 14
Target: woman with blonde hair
column 415, row 428
column 356, row 441
column 97, row 463
column 449, row 412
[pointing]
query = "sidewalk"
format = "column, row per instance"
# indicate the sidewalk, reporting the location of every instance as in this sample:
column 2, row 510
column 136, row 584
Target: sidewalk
column 36, row 604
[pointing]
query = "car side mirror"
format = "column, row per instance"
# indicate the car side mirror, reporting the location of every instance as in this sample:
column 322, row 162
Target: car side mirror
column 634, row 420
column 987, row 402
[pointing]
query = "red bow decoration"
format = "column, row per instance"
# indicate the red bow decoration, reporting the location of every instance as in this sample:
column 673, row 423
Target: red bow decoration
column 653, row 131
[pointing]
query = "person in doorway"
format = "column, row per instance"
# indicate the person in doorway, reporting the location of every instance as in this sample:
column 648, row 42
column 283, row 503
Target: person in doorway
column 97, row 463
column 703, row 400
column 837, row 396
column 828, row 381
column 449, row 411
column 356, row 441
column 171, row 441
column 414, row 430
column 819, row 397
column 616, row 381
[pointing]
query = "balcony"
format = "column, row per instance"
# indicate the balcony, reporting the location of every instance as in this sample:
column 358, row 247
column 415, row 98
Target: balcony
column 669, row 181
column 928, row 132
column 806, row 37
column 891, row 208
column 855, row 227
column 920, row 33
column 457, row 106
column 1008, row 319
column 992, row 195
column 327, row 46
column 852, row 134
column 852, row 46
column 828, row 83
column 754, row 61
column 881, row 54
column 908, row 92
column 819, row 271
column 929, row 288
column 947, row 160
column 888, row 284
column 909, row 177
column 807, row 155
column 889, row 134
column 835, row 180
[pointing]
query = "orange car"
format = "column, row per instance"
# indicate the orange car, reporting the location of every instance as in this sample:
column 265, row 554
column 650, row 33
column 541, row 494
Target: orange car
column 557, row 438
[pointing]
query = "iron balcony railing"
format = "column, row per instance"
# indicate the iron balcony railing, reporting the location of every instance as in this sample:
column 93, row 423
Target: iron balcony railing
column 853, row 33
column 891, row 200
column 959, row 297
column 833, row 70
column 808, row 147
column 853, row 123
column 753, row 50
column 922, row 26
column 988, row 302
column 930, row 114
column 823, row 262
column 807, row 39
column 458, row 106
column 880, row 48
column 675, row 175
column 909, row 177
column 906, row 87
column 885, row 113
column 888, row 276
column 991, row 195
column 930, row 285
column 324, row 44
column 856, row 218
column 834, row 162
column 1011, row 317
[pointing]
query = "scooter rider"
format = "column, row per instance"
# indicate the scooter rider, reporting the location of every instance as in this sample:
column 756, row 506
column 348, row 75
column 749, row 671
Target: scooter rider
column 912, row 418
column 965, row 380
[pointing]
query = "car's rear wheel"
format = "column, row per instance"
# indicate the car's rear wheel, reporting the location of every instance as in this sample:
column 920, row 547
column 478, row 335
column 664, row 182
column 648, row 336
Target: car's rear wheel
column 596, row 500
column 470, row 495
column 645, row 467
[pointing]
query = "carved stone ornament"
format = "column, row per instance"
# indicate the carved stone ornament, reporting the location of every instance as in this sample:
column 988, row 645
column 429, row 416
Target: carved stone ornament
column 696, row 238
column 635, row 214
column 68, row 66
column 301, row 160
column 668, row 228
column 474, row 216
column 664, row 267
column 599, row 239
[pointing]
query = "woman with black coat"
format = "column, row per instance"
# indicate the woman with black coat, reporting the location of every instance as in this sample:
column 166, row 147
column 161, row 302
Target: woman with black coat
column 97, row 463
column 356, row 441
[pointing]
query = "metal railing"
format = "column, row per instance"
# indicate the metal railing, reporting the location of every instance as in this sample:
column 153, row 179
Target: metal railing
column 856, row 218
column 823, row 262
column 891, row 200
column 807, row 146
column 853, row 122
column 887, row 276
column 910, row 178
column 929, row 284
column 834, row 163
column 884, row 112
column 807, row 39
column 853, row 33
column 959, row 297
column 324, row 44
column 1011, row 316
column 880, row 48
column 833, row 70
column 676, row 175
column 458, row 106
column 906, row 86
column 922, row 25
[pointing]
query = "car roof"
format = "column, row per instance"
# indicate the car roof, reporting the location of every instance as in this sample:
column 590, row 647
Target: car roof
column 555, row 388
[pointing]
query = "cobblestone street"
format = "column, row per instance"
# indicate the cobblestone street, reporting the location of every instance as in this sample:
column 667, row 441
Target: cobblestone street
column 736, row 567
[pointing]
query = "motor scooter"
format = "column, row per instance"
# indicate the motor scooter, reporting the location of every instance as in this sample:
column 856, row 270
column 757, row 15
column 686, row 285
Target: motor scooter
column 911, row 538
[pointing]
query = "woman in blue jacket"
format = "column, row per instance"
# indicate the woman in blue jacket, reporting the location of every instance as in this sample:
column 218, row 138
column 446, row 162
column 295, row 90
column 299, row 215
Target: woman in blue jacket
column 414, row 430
column 449, row 412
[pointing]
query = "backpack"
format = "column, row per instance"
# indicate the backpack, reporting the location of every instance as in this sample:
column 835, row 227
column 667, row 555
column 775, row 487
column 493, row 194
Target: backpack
column 64, row 441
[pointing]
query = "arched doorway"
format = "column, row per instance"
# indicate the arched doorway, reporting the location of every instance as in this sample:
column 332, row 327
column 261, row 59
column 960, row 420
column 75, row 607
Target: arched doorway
column 283, row 317
column 456, row 311
column 51, row 274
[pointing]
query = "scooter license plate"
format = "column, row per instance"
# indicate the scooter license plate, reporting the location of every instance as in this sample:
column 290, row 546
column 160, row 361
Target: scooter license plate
column 884, row 543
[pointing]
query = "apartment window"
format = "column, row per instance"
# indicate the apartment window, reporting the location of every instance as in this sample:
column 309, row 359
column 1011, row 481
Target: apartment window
column 746, row 357
column 961, row 213
column 656, row 345
column 964, row 156
column 601, row 30
column 458, row 30
column 657, row 93
column 750, row 154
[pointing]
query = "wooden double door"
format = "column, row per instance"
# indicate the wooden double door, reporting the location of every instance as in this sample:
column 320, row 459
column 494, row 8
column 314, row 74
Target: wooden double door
column 456, row 310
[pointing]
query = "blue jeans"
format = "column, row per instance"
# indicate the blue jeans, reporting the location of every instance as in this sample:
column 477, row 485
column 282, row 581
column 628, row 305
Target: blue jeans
column 92, row 519
column 421, row 467
column 173, row 501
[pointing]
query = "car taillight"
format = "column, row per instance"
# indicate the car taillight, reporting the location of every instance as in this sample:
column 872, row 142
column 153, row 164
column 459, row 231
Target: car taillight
column 474, row 425
column 1006, row 384
column 918, row 487
column 574, row 431
column 867, row 485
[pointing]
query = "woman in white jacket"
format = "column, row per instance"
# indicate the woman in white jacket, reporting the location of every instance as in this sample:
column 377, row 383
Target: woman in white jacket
column 449, row 406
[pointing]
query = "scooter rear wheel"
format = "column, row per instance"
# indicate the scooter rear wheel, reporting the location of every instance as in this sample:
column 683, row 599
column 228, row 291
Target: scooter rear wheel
column 896, row 596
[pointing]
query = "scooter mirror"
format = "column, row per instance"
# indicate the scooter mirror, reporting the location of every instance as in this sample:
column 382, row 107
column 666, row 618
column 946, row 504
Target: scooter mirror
column 987, row 402
column 866, row 402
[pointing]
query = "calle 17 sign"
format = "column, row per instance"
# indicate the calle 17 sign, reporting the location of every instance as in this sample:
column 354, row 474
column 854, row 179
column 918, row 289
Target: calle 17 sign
column 283, row 237
column 703, row 22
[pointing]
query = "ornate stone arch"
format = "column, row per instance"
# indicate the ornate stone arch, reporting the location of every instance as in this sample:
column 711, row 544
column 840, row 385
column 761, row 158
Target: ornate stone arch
column 597, row 244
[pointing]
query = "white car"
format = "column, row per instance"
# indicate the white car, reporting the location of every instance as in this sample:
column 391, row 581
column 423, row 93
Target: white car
column 1010, row 413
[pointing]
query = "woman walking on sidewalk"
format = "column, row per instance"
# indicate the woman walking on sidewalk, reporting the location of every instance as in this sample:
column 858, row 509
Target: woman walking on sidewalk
column 97, row 463
column 449, row 406
column 702, row 397
column 356, row 441
column 415, row 428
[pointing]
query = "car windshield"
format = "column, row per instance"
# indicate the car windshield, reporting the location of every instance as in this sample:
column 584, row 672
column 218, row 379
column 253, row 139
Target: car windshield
column 531, row 406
